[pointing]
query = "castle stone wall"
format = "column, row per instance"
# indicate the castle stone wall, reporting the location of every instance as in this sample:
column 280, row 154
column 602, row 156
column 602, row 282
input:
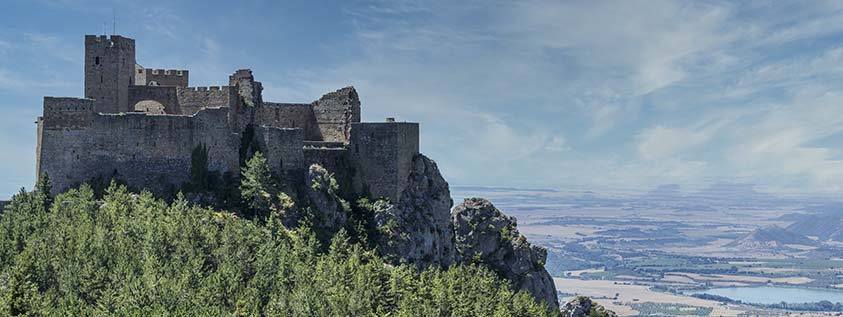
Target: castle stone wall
column 67, row 113
column 286, row 115
column 191, row 99
column 148, row 151
column 163, row 95
column 281, row 147
column 382, row 154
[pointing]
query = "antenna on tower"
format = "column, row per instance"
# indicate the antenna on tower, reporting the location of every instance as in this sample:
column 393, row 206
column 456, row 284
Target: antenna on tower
column 104, row 30
column 113, row 21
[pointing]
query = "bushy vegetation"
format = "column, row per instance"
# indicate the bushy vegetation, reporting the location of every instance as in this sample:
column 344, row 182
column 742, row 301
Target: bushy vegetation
column 133, row 254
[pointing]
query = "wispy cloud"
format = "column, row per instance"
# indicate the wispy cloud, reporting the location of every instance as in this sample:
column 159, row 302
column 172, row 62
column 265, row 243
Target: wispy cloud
column 534, row 92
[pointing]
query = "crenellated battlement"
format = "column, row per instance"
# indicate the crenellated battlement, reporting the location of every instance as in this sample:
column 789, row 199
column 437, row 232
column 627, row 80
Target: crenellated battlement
column 207, row 88
column 110, row 42
column 168, row 72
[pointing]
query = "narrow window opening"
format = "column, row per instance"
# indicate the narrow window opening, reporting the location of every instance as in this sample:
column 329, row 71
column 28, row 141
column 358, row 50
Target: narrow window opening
column 96, row 60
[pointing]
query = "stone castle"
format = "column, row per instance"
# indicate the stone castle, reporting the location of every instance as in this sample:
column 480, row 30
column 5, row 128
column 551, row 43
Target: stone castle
column 141, row 125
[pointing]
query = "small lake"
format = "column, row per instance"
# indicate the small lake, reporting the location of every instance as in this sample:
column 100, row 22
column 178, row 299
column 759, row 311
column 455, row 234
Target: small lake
column 774, row 295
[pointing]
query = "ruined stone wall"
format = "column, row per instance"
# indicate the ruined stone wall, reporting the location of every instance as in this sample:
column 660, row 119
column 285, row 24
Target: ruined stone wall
column 191, row 99
column 167, row 77
column 382, row 156
column 249, row 91
column 289, row 115
column 281, row 147
column 109, row 71
column 335, row 112
column 145, row 150
column 163, row 95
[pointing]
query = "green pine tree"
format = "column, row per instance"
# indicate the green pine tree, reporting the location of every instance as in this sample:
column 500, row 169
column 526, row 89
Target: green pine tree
column 44, row 189
column 256, row 185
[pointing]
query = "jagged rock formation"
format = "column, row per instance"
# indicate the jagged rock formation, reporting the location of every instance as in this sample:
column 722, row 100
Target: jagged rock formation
column 485, row 235
column 770, row 238
column 329, row 211
column 582, row 306
column 421, row 229
column 417, row 229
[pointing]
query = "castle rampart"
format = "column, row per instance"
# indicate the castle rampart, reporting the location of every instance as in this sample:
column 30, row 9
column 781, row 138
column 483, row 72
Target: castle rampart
column 191, row 99
column 167, row 77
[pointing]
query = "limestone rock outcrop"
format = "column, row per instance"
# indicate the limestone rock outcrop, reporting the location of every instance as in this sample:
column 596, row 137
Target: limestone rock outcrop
column 417, row 228
column 582, row 306
column 329, row 211
column 484, row 235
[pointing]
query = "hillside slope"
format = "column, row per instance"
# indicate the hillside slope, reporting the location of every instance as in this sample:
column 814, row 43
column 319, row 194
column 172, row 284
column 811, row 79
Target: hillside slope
column 770, row 238
column 823, row 226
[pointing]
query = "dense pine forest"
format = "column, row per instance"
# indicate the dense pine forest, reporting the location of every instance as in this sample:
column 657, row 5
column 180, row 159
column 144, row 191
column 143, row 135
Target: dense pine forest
column 77, row 254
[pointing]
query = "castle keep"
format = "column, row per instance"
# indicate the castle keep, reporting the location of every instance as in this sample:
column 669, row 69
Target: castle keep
column 141, row 125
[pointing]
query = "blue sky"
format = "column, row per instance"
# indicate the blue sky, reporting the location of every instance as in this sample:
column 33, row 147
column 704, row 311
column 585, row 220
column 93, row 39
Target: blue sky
column 621, row 95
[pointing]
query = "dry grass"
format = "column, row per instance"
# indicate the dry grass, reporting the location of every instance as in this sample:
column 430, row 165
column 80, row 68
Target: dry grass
column 629, row 293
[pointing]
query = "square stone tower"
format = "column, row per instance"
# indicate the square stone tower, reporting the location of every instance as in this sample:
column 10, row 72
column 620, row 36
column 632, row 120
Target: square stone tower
column 109, row 71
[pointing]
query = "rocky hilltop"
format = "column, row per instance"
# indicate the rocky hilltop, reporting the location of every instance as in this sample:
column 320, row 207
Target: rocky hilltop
column 421, row 229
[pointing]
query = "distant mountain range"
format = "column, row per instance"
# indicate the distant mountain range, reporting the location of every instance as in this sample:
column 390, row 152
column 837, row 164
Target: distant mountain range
column 716, row 197
column 825, row 226
column 771, row 238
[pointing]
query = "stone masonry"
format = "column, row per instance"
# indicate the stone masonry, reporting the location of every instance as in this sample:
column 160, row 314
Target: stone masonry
column 140, row 125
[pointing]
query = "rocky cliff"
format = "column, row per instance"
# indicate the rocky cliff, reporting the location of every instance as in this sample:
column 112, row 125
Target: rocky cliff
column 417, row 229
column 484, row 235
column 421, row 229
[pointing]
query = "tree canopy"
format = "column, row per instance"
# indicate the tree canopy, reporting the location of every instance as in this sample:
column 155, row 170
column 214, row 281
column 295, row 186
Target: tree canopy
column 133, row 254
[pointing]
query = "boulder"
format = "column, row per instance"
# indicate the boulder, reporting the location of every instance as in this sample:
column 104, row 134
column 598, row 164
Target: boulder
column 582, row 306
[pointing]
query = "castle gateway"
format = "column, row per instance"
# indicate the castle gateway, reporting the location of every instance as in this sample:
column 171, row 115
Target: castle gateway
column 140, row 125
